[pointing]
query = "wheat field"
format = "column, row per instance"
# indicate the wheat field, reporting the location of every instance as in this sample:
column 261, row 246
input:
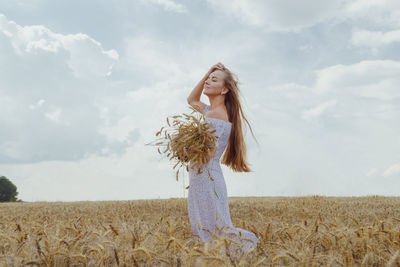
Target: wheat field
column 293, row 231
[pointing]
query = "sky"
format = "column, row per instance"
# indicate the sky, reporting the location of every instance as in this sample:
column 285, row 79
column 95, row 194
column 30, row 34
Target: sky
column 85, row 84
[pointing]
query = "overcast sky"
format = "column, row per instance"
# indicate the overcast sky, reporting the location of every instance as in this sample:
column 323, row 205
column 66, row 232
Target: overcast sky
column 85, row 84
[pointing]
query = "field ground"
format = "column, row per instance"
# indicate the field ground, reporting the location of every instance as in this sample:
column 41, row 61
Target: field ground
column 293, row 231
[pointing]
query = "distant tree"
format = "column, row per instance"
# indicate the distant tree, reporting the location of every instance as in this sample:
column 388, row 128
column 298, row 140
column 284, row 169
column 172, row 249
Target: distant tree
column 8, row 191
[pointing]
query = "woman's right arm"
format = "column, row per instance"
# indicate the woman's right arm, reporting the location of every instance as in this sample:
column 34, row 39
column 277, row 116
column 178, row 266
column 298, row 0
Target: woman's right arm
column 194, row 97
column 196, row 92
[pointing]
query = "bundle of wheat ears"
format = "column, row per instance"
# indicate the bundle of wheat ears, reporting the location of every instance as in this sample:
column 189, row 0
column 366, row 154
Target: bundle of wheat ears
column 188, row 140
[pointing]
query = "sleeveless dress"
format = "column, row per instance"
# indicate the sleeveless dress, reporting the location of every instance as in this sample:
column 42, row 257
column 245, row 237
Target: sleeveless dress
column 208, row 207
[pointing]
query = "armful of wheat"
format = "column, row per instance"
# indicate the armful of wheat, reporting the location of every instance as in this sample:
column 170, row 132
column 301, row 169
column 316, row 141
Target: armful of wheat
column 188, row 139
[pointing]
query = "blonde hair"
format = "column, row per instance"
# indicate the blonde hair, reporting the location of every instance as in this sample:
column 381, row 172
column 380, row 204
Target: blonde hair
column 235, row 153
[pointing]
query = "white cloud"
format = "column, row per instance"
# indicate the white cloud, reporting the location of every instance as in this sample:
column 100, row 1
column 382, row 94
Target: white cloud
column 372, row 172
column 151, row 57
column 286, row 15
column 278, row 15
column 317, row 111
column 374, row 38
column 245, row 11
column 370, row 78
column 39, row 103
column 54, row 114
column 168, row 5
column 392, row 170
column 384, row 13
column 13, row 149
column 48, row 89
column 134, row 175
column 86, row 56
column 305, row 48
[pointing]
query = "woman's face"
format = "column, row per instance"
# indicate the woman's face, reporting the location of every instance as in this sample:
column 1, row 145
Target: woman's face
column 214, row 84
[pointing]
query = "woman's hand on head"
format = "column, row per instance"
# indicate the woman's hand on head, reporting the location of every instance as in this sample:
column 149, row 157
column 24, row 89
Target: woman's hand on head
column 219, row 65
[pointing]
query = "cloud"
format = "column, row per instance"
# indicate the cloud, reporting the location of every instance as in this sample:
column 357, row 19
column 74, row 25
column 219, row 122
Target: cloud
column 278, row 15
column 287, row 15
column 49, row 89
column 168, row 5
column 392, row 170
column 39, row 103
column 86, row 58
column 54, row 114
column 150, row 59
column 374, row 38
column 317, row 111
column 372, row 172
column 352, row 131
column 369, row 78
column 135, row 174
column 385, row 13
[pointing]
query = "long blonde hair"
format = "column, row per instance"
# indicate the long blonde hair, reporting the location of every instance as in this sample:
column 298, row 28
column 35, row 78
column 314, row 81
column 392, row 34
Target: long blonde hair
column 235, row 153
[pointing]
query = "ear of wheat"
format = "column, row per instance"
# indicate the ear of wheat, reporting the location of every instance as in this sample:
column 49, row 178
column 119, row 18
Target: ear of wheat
column 188, row 139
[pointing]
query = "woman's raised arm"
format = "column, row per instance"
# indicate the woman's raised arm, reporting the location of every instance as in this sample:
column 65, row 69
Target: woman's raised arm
column 196, row 92
column 194, row 97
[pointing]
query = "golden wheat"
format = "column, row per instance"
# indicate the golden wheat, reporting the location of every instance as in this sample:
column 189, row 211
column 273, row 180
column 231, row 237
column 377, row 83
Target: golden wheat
column 293, row 231
column 189, row 140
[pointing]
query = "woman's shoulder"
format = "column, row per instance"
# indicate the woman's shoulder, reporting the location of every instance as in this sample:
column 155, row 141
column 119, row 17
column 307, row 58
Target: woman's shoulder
column 217, row 113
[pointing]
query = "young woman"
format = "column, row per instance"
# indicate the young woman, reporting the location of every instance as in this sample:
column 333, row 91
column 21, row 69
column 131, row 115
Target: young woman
column 207, row 198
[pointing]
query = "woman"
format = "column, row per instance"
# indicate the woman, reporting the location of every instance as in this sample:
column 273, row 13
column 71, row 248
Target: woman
column 207, row 198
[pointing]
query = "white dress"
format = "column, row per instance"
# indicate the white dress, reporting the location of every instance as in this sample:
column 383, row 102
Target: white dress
column 208, row 207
